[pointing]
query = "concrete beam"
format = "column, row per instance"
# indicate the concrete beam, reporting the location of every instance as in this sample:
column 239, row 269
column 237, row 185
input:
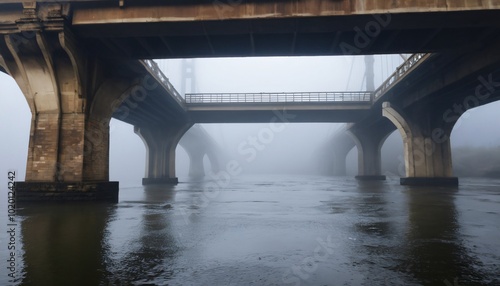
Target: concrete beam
column 279, row 113
column 209, row 10
column 183, row 29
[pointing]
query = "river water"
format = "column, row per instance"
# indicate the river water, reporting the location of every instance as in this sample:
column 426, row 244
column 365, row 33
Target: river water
column 265, row 230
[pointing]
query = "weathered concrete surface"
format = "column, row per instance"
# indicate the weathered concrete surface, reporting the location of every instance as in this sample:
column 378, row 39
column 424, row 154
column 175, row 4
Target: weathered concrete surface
column 182, row 29
column 135, row 12
column 55, row 91
column 68, row 144
column 68, row 156
column 273, row 28
column 426, row 110
column 426, row 142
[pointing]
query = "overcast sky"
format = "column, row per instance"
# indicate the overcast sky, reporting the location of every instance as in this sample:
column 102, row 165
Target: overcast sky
column 288, row 151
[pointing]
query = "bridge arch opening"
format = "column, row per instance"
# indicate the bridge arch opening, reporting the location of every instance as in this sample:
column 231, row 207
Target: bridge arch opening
column 352, row 162
column 207, row 164
column 183, row 166
column 475, row 142
column 181, row 162
column 15, row 118
column 127, row 154
column 202, row 153
column 393, row 164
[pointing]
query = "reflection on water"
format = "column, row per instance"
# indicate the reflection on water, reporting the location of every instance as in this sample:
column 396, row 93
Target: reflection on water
column 63, row 243
column 141, row 248
column 435, row 246
column 432, row 240
column 267, row 231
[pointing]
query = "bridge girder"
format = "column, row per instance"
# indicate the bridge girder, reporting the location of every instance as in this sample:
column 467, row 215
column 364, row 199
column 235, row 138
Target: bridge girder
column 184, row 29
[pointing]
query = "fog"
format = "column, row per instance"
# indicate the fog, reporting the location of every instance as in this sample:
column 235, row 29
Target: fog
column 289, row 151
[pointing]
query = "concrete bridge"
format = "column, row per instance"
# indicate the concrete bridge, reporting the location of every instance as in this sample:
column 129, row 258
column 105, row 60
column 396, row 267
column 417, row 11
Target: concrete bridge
column 204, row 28
column 77, row 65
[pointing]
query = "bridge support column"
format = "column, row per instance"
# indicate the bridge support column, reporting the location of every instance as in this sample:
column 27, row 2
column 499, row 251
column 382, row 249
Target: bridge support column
column 68, row 156
column 161, row 143
column 196, row 166
column 333, row 155
column 342, row 145
column 197, row 143
column 369, row 144
column 427, row 150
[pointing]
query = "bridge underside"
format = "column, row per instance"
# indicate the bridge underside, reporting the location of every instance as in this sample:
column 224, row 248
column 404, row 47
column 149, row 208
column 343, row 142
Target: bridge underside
column 339, row 35
column 270, row 114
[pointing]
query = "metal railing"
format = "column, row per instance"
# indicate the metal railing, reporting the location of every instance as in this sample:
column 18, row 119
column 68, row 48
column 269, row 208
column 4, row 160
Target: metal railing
column 400, row 73
column 158, row 74
column 284, row 97
column 287, row 97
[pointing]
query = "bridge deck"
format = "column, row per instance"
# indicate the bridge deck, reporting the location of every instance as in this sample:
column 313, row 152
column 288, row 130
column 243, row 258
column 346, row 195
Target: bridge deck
column 152, row 29
column 278, row 97
column 262, row 107
column 185, row 29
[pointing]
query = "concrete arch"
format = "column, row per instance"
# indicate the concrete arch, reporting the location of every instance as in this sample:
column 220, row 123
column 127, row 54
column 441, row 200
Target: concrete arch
column 392, row 155
column 426, row 141
column 343, row 144
column 473, row 160
column 45, row 73
column 109, row 94
column 198, row 143
column 3, row 65
column 368, row 141
column 331, row 154
column 404, row 128
column 68, row 144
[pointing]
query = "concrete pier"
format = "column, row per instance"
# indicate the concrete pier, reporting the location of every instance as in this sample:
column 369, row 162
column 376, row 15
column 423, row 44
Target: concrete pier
column 427, row 150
